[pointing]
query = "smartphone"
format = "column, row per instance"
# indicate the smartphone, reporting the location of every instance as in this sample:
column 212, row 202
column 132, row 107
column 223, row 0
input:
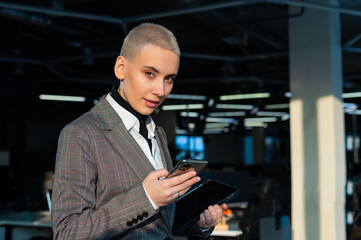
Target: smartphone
column 186, row 165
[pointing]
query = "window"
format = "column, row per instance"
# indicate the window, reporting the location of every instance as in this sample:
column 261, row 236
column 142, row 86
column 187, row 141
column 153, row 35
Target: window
column 189, row 147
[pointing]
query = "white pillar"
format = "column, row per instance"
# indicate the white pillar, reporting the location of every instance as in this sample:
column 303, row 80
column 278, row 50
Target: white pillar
column 317, row 126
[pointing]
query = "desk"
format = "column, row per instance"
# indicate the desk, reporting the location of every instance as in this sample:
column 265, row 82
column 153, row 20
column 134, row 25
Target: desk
column 24, row 225
column 227, row 234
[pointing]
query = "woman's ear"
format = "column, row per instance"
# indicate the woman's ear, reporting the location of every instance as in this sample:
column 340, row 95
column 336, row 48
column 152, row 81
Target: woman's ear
column 119, row 68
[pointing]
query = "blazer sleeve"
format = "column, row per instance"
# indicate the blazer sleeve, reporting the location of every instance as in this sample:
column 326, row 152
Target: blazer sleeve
column 75, row 213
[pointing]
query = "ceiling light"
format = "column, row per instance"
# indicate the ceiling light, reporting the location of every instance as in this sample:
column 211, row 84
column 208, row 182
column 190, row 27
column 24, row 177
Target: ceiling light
column 244, row 96
column 288, row 94
column 227, row 114
column 255, row 124
column 216, row 128
column 186, row 97
column 349, row 108
column 216, row 125
column 254, row 110
column 189, row 114
column 351, row 95
column 234, row 106
column 61, row 98
column 285, row 117
column 181, row 131
column 212, row 131
column 278, row 106
column 210, row 102
column 182, row 107
column 270, row 114
column 350, row 105
column 220, row 120
column 265, row 119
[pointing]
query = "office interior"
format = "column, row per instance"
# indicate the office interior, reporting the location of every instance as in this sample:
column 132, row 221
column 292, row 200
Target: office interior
column 268, row 92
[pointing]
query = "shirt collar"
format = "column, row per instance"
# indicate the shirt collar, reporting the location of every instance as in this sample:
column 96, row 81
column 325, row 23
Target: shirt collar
column 129, row 120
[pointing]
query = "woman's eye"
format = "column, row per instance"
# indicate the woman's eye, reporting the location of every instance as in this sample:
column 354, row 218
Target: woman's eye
column 149, row 74
column 171, row 79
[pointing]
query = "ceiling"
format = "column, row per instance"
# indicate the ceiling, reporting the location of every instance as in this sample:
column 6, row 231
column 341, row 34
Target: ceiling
column 69, row 47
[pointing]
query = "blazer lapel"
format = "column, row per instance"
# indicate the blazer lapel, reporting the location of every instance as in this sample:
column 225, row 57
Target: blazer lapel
column 167, row 212
column 125, row 144
column 166, row 159
column 121, row 139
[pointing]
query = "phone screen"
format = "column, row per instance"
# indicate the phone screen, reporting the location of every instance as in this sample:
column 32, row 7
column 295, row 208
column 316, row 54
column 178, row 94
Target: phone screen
column 187, row 165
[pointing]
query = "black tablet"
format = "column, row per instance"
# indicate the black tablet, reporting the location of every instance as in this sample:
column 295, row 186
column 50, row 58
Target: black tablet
column 192, row 204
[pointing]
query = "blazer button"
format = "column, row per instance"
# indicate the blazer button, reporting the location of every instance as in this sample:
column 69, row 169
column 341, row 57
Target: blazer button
column 145, row 214
column 129, row 224
column 140, row 217
column 135, row 221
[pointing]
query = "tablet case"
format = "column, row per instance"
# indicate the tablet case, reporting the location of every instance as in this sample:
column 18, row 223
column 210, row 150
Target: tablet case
column 193, row 203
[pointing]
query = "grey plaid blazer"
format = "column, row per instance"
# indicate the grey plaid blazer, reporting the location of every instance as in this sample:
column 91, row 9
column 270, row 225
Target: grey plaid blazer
column 97, row 191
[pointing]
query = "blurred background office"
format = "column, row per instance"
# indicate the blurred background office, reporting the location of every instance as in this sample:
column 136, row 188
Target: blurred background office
column 268, row 93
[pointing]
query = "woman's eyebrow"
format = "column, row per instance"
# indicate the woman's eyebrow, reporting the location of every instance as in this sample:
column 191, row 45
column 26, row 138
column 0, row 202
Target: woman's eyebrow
column 172, row 75
column 157, row 71
column 152, row 68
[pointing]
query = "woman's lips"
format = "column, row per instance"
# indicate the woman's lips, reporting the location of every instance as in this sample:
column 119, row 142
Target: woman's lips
column 151, row 103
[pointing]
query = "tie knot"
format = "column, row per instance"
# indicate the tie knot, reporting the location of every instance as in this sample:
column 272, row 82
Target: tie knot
column 142, row 121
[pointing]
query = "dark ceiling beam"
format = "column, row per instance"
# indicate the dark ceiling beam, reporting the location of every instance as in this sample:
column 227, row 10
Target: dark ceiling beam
column 262, row 38
column 191, row 10
column 52, row 69
column 352, row 49
column 183, row 55
column 234, row 59
column 353, row 40
column 103, row 18
column 73, row 14
column 231, row 79
column 254, row 79
column 318, row 6
column 83, row 57
column 21, row 60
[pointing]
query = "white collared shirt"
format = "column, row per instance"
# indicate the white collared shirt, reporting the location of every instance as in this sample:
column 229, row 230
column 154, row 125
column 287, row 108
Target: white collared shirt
column 132, row 125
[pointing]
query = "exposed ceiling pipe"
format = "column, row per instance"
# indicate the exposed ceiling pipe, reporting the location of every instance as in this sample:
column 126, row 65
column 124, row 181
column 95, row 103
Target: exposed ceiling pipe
column 318, row 6
column 22, row 60
column 82, row 57
column 233, row 79
column 234, row 59
column 209, row 57
column 121, row 21
column 183, row 55
column 115, row 20
column 353, row 40
column 230, row 79
column 24, row 17
column 262, row 38
column 191, row 10
column 352, row 49
column 29, row 8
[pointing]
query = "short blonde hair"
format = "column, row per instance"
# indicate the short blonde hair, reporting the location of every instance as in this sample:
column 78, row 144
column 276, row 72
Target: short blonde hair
column 148, row 33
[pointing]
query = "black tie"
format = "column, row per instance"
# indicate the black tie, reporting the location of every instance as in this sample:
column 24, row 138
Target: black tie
column 142, row 118
column 144, row 132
